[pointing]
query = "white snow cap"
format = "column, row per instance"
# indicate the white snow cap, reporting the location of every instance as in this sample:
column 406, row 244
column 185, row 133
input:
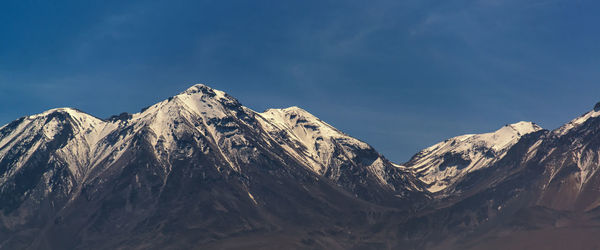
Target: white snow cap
column 316, row 136
column 69, row 111
column 595, row 112
column 88, row 146
column 477, row 151
column 205, row 90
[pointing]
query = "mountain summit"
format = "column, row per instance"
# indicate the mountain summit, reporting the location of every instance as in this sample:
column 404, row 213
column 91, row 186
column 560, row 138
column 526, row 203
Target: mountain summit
column 200, row 170
column 196, row 161
column 443, row 164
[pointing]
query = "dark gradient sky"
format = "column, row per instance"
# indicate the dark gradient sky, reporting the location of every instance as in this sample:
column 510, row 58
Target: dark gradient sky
column 400, row 75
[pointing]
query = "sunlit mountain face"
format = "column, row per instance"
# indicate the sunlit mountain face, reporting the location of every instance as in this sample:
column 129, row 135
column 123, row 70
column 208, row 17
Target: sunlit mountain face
column 201, row 171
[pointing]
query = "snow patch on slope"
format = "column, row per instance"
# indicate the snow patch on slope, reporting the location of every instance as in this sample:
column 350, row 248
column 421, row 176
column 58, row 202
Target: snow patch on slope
column 36, row 131
column 563, row 130
column 208, row 118
column 444, row 163
column 316, row 137
column 328, row 151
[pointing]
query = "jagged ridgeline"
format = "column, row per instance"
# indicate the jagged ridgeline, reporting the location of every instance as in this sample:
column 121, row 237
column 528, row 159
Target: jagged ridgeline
column 201, row 171
column 187, row 171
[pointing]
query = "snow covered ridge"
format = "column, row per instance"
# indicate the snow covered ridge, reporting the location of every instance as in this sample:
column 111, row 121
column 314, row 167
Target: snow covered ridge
column 29, row 134
column 446, row 162
column 93, row 140
column 206, row 117
column 313, row 135
column 578, row 121
column 331, row 153
column 213, row 120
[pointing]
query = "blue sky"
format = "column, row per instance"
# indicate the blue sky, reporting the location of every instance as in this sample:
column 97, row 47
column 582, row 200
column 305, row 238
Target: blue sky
column 400, row 75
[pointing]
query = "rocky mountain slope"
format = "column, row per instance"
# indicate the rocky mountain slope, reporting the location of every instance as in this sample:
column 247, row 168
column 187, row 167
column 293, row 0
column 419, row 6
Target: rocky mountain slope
column 541, row 193
column 200, row 170
column 198, row 164
column 445, row 163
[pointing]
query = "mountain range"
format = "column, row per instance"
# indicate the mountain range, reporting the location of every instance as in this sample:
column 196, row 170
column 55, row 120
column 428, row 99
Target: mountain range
column 201, row 171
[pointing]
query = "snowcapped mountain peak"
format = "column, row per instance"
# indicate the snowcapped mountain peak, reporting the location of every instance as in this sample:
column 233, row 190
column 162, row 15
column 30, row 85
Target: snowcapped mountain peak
column 201, row 128
column 331, row 153
column 523, row 127
column 595, row 112
column 73, row 135
column 310, row 133
column 198, row 99
column 69, row 111
column 198, row 87
column 295, row 109
column 289, row 110
column 206, row 91
column 444, row 163
column 204, row 100
column 78, row 120
column 307, row 127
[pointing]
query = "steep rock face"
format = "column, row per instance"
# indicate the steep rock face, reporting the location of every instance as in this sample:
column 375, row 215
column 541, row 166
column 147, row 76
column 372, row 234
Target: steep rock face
column 571, row 157
column 445, row 163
